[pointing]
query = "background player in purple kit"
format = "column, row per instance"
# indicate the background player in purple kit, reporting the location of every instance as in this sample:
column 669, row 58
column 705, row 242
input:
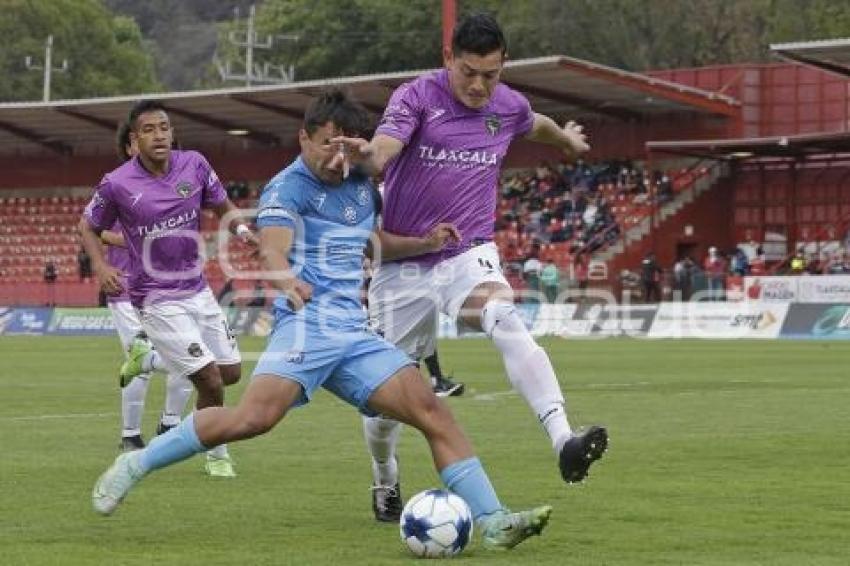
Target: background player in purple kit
column 440, row 146
column 127, row 324
column 157, row 197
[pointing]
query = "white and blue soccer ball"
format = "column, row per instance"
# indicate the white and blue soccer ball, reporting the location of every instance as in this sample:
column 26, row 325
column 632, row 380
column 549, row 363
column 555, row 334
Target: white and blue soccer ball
column 436, row 524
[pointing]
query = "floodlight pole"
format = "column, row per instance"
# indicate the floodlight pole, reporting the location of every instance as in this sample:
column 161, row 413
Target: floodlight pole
column 449, row 19
column 48, row 66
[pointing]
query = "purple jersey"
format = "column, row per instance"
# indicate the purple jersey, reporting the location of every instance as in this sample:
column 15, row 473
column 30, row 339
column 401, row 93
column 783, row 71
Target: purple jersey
column 119, row 258
column 450, row 166
column 160, row 219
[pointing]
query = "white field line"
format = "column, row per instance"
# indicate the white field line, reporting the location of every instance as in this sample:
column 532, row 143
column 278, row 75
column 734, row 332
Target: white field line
column 486, row 397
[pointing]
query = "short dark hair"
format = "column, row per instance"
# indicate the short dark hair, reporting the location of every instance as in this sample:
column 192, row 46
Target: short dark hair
column 122, row 140
column 336, row 107
column 142, row 107
column 478, row 33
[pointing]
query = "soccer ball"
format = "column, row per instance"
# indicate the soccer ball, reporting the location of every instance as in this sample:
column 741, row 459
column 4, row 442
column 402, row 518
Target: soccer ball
column 436, row 524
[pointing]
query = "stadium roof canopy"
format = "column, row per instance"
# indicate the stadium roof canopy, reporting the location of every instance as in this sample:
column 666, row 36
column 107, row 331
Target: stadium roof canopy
column 831, row 55
column 271, row 115
column 795, row 147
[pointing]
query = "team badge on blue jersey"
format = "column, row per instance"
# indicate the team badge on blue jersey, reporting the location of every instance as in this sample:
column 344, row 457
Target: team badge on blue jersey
column 350, row 215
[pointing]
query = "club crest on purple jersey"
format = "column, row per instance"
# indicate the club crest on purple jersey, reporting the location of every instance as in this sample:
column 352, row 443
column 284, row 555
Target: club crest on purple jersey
column 184, row 189
column 493, row 124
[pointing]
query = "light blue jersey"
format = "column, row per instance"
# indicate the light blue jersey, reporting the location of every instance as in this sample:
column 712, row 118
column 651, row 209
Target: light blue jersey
column 326, row 343
column 332, row 225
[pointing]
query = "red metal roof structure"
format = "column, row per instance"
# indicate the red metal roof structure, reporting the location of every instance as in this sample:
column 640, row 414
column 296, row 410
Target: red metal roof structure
column 269, row 116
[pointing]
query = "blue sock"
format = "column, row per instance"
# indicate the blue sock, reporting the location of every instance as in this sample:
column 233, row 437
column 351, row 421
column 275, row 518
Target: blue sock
column 175, row 445
column 469, row 480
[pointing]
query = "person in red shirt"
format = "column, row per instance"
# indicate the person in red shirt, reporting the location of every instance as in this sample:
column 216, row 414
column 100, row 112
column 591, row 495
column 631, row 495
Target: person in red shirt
column 580, row 272
column 715, row 272
column 758, row 266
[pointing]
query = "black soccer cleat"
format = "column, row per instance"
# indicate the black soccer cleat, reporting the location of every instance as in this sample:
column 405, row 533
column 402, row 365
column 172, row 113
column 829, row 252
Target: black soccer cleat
column 130, row 443
column 387, row 503
column 580, row 451
column 445, row 387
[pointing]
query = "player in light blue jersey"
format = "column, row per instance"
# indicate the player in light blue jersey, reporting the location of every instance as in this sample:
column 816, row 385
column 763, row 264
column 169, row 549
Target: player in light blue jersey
column 315, row 223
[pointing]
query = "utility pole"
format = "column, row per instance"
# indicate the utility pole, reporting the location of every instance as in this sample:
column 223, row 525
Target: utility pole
column 267, row 73
column 48, row 67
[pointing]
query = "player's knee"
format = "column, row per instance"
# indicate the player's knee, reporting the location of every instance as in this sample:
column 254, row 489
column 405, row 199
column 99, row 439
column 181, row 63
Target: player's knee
column 497, row 312
column 256, row 422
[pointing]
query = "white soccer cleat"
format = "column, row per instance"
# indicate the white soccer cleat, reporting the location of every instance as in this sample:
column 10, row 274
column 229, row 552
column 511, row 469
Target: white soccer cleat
column 112, row 486
column 219, row 467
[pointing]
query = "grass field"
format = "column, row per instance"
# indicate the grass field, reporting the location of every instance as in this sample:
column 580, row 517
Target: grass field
column 722, row 453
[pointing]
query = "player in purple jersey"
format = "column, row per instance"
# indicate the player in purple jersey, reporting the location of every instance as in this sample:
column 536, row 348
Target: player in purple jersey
column 126, row 320
column 440, row 146
column 157, row 198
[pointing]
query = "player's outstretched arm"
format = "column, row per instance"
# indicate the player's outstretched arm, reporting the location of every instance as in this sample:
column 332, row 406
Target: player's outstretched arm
column 109, row 277
column 392, row 246
column 275, row 243
column 371, row 156
column 570, row 139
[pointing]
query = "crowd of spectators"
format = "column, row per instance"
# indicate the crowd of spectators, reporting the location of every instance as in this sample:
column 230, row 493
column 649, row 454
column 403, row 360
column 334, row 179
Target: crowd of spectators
column 712, row 274
column 570, row 205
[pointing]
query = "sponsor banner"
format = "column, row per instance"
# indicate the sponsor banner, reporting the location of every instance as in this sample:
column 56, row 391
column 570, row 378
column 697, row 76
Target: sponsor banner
column 24, row 320
column 771, row 289
column 824, row 289
column 719, row 320
column 553, row 320
column 618, row 320
column 820, row 321
column 81, row 322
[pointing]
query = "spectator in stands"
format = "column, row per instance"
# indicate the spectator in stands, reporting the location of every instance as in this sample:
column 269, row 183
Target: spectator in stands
column 798, row 262
column 84, row 264
column 715, row 271
column 550, row 277
column 581, row 270
column 758, row 265
column 650, row 279
column 531, row 270
column 837, row 264
column 50, row 276
column 816, row 265
column 665, row 189
column 682, row 274
column 740, row 263
column 50, row 271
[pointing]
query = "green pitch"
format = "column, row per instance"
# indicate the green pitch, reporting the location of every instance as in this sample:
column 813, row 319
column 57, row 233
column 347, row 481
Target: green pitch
column 721, row 453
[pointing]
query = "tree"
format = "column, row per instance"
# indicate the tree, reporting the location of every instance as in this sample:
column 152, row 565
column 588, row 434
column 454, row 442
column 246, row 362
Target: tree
column 331, row 39
column 181, row 35
column 105, row 53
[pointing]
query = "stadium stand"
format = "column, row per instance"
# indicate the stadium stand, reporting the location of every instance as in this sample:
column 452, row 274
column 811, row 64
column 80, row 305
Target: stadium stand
column 552, row 212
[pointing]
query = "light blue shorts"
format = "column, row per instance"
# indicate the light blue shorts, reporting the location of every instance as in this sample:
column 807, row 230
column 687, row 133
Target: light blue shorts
column 351, row 364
